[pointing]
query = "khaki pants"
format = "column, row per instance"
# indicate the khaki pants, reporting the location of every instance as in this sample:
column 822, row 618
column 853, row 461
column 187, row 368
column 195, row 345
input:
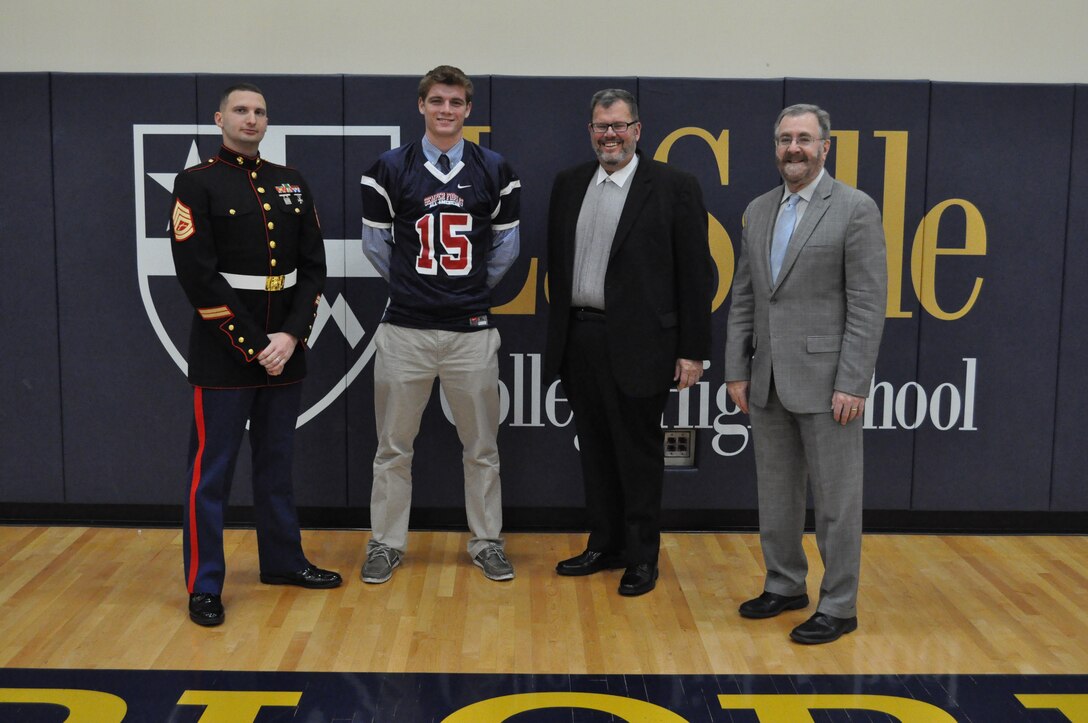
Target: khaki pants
column 467, row 366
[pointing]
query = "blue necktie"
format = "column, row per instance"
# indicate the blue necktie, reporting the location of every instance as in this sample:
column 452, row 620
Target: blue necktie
column 782, row 232
column 444, row 163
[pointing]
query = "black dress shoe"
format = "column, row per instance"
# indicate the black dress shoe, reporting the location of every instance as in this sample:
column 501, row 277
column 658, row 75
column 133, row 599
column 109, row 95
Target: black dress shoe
column 823, row 628
column 769, row 604
column 638, row 579
column 206, row 609
column 311, row 576
column 589, row 562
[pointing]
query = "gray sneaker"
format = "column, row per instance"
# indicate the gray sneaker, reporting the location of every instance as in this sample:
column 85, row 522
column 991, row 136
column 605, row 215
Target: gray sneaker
column 492, row 560
column 380, row 561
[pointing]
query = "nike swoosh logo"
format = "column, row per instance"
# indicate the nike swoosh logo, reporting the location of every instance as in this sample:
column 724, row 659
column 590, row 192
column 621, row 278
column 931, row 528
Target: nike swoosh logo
column 466, row 185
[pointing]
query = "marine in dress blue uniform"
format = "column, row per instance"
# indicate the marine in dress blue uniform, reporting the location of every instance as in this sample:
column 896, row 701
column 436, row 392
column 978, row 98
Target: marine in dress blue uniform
column 248, row 252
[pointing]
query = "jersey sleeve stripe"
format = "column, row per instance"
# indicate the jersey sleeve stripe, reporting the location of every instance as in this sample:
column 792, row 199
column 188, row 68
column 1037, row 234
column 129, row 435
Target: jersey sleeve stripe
column 504, row 226
column 376, row 224
column 510, row 188
column 372, row 183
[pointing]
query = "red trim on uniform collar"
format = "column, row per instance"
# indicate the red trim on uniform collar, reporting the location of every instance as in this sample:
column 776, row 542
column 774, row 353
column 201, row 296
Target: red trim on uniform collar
column 240, row 160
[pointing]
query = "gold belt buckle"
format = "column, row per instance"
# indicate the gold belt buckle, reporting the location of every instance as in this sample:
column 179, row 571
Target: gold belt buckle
column 273, row 283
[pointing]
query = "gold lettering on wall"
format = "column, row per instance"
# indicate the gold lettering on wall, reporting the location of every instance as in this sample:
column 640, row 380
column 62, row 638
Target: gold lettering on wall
column 893, row 211
column 719, row 146
column 846, row 156
column 473, row 133
column 525, row 301
column 926, row 249
column 721, row 246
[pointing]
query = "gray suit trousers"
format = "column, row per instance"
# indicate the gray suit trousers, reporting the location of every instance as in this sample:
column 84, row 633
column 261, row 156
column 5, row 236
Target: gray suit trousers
column 790, row 450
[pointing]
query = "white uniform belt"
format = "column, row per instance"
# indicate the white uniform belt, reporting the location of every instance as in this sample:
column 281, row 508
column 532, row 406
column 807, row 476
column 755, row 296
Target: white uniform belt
column 261, row 283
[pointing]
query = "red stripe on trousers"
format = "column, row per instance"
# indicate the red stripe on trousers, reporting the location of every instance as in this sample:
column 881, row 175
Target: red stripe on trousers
column 194, row 547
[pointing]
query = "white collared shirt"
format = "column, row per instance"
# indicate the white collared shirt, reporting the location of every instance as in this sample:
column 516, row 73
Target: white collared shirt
column 619, row 177
column 803, row 197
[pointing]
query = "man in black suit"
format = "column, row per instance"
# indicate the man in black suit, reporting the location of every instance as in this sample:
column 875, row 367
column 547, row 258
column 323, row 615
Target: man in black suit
column 630, row 281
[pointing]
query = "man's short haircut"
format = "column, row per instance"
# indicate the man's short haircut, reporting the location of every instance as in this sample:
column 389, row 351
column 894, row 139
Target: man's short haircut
column 238, row 86
column 608, row 96
column 445, row 75
column 822, row 117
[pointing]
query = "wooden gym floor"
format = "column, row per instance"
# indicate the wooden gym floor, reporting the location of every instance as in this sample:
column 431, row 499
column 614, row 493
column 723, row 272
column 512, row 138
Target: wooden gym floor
column 87, row 599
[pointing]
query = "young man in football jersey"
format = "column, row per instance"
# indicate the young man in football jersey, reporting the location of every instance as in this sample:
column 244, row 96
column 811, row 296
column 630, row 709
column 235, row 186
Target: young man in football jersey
column 440, row 224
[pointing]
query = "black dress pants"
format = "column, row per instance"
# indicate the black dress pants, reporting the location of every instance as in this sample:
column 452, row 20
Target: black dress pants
column 620, row 440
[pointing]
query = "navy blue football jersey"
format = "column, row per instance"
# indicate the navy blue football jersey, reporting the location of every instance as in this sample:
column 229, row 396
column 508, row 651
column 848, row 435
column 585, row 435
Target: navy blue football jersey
column 442, row 227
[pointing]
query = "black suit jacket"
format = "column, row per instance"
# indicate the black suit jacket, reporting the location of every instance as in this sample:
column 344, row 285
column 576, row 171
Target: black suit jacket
column 660, row 277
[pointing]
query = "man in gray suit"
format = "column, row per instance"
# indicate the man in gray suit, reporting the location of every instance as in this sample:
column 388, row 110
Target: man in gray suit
column 804, row 328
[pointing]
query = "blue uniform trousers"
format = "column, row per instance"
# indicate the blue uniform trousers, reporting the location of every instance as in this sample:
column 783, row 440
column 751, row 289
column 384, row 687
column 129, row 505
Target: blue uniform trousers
column 219, row 420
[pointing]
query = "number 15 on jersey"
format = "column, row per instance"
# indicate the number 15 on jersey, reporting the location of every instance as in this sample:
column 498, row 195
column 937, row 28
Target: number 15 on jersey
column 455, row 249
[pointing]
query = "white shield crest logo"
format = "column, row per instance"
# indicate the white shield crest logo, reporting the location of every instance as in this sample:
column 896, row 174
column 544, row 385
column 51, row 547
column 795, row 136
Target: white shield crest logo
column 154, row 169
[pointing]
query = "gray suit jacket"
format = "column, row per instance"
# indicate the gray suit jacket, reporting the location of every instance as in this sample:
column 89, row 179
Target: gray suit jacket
column 818, row 328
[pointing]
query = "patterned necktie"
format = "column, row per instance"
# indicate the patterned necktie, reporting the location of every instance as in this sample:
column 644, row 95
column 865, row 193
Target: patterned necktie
column 444, row 163
column 782, row 232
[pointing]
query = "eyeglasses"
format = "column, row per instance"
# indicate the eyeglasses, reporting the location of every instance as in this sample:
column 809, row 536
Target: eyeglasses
column 618, row 126
column 803, row 141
